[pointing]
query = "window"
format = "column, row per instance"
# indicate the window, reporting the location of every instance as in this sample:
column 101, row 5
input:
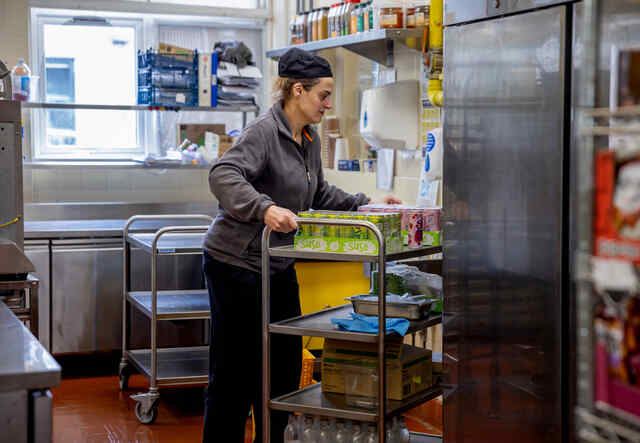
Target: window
column 88, row 61
column 89, row 57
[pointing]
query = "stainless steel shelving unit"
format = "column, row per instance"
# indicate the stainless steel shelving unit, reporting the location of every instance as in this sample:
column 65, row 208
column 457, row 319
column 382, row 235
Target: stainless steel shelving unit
column 312, row 400
column 171, row 366
column 603, row 23
column 376, row 45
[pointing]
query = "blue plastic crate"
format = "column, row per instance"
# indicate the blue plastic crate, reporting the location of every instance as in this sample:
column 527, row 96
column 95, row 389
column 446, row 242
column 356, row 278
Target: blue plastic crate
column 154, row 96
column 158, row 60
column 168, row 78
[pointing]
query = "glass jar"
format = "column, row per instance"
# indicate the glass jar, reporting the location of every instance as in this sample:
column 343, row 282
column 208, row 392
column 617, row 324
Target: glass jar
column 391, row 17
column 411, row 17
column 421, row 15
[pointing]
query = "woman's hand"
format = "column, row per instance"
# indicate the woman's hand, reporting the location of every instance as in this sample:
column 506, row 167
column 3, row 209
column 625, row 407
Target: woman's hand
column 280, row 219
column 390, row 200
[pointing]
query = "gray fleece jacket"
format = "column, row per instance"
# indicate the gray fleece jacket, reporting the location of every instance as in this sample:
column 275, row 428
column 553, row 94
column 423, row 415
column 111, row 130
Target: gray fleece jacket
column 266, row 167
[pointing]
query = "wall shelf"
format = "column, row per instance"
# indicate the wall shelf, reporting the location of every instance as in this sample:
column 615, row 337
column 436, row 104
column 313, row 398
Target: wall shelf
column 30, row 105
column 376, row 45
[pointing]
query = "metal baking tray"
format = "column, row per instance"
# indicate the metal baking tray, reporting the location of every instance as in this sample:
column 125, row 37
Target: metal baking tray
column 418, row 307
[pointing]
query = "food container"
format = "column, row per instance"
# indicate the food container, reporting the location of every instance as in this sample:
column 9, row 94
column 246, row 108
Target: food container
column 414, row 229
column 414, row 308
column 391, row 18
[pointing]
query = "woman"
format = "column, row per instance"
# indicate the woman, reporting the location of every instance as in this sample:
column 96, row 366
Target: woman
column 273, row 171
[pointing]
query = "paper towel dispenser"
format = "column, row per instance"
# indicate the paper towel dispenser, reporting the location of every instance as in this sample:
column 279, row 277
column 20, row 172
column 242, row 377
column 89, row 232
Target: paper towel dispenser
column 390, row 116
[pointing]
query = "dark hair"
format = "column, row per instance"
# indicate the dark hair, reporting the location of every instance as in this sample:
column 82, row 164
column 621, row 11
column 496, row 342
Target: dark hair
column 282, row 87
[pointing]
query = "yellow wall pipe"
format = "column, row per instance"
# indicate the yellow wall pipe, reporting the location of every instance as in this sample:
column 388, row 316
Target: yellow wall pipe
column 435, row 24
column 434, row 90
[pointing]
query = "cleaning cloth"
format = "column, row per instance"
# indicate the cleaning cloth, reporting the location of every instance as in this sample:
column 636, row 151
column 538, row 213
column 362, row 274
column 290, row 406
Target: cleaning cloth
column 363, row 323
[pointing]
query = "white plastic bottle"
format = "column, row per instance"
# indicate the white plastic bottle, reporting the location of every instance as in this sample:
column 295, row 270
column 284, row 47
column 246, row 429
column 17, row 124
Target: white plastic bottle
column 291, row 431
column 308, row 433
column 324, row 433
column 358, row 435
column 403, row 432
column 372, row 435
column 341, row 433
column 21, row 81
column 389, row 435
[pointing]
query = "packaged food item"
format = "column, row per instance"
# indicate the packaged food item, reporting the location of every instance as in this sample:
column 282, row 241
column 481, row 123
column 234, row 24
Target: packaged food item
column 617, row 355
column 415, row 229
column 409, row 368
column 347, row 239
column 418, row 15
column 391, row 17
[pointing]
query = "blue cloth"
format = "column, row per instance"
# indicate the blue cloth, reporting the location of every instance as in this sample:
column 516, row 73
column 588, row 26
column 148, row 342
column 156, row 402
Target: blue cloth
column 363, row 323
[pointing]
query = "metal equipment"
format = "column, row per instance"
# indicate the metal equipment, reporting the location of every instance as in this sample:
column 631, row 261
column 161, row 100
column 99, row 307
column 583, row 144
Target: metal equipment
column 27, row 370
column 17, row 287
column 168, row 366
column 506, row 269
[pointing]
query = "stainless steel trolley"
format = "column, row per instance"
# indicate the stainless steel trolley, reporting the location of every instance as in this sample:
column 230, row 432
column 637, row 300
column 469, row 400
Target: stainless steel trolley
column 311, row 400
column 171, row 366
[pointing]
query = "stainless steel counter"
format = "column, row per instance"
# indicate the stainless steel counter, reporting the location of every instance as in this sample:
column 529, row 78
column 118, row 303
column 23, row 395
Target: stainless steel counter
column 106, row 228
column 25, row 363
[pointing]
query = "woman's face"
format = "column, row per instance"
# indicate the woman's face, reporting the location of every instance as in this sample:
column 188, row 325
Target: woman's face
column 317, row 100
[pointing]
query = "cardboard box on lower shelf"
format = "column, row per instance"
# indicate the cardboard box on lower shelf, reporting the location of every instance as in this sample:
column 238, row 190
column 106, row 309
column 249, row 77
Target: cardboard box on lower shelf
column 409, row 369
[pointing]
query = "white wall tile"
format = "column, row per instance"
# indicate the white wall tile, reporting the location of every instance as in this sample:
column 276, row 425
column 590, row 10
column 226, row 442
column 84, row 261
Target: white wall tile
column 95, row 180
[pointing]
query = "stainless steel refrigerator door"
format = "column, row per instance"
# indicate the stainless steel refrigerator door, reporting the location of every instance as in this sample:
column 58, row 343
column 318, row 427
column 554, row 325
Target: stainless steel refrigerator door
column 504, row 223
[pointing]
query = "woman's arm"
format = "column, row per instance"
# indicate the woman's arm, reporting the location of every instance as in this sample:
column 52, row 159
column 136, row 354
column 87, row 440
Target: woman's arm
column 231, row 176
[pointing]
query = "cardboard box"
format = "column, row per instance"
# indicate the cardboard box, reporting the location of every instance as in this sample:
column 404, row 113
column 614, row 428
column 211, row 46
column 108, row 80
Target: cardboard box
column 226, row 142
column 408, row 367
column 195, row 132
column 172, row 49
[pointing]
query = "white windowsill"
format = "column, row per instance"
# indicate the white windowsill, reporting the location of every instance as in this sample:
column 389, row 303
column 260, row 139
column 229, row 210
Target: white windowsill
column 105, row 164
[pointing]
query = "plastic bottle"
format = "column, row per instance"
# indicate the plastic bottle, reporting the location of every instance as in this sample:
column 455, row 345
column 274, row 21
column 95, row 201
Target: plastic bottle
column 291, row 431
column 358, row 435
column 360, row 18
column 390, row 437
column 314, row 25
column 354, row 16
column 324, row 433
column 372, row 435
column 21, row 81
column 292, row 29
column 332, row 11
column 341, row 433
column 403, row 433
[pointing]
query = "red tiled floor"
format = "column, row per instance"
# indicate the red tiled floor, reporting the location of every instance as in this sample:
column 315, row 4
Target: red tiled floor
column 93, row 409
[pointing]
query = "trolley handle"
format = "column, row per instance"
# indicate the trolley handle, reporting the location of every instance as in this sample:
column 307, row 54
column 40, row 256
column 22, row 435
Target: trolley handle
column 266, row 234
column 135, row 218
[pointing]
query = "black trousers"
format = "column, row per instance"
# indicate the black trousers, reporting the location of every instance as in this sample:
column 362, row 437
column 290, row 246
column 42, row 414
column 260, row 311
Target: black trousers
column 235, row 353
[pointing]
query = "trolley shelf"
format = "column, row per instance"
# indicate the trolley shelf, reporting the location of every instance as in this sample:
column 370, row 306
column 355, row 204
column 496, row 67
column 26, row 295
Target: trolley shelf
column 174, row 305
column 288, row 251
column 176, row 366
column 311, row 400
column 318, row 324
column 186, row 243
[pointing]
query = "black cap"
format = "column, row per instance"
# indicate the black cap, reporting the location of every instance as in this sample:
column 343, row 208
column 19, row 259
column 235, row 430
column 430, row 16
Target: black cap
column 297, row 63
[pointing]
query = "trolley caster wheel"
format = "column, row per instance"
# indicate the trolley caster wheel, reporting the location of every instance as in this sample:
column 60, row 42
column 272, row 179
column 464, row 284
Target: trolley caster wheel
column 146, row 418
column 124, row 382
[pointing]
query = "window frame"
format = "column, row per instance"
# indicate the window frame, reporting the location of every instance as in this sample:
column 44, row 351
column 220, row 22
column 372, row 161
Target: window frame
column 40, row 149
column 150, row 16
